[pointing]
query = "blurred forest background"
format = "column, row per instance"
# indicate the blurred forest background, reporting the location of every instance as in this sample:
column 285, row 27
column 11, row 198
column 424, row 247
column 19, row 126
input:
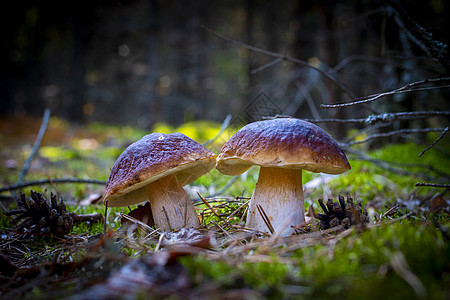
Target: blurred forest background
column 142, row 62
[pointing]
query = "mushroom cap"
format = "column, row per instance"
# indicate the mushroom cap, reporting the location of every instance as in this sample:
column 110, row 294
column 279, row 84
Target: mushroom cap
column 151, row 158
column 284, row 143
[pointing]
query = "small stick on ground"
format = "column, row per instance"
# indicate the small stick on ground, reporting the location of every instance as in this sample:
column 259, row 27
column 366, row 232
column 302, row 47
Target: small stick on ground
column 138, row 223
column 226, row 232
column 438, row 185
column 87, row 218
column 211, row 208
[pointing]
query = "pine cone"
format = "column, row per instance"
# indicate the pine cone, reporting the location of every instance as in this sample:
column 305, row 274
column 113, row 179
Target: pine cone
column 36, row 216
column 343, row 213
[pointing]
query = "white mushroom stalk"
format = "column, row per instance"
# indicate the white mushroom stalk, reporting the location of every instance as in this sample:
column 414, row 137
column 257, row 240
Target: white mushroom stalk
column 171, row 207
column 282, row 148
column 280, row 195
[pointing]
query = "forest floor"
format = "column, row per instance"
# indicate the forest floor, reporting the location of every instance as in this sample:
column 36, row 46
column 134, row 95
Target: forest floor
column 401, row 252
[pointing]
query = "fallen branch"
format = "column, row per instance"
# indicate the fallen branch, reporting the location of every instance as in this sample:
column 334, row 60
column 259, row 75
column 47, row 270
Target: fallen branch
column 50, row 181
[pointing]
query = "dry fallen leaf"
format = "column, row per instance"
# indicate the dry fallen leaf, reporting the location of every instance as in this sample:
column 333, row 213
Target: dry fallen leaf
column 438, row 203
column 142, row 213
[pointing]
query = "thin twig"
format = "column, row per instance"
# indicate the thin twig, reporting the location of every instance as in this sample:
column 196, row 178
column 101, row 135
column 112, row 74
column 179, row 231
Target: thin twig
column 385, row 117
column 282, row 57
column 225, row 187
column 438, row 185
column 224, row 126
column 365, row 58
column 141, row 224
column 397, row 167
column 160, row 240
column 410, row 87
column 97, row 217
column 50, row 181
column 435, row 142
column 237, row 210
column 210, row 207
column 400, row 266
column 435, row 48
column 269, row 64
column 226, row 232
column 395, row 132
column 36, row 145
column 362, row 120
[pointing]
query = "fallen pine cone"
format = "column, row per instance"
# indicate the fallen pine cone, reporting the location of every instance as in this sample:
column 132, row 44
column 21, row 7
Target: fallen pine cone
column 37, row 216
column 341, row 213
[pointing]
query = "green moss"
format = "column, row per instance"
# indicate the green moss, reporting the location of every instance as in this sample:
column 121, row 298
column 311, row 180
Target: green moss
column 359, row 265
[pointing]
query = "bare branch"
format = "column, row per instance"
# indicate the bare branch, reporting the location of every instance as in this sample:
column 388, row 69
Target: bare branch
column 435, row 48
column 385, row 117
column 410, row 87
column 269, row 64
column 435, row 141
column 365, row 58
column 362, row 120
column 36, row 145
column 282, row 57
column 398, row 168
column 50, row 181
column 224, row 188
column 224, row 126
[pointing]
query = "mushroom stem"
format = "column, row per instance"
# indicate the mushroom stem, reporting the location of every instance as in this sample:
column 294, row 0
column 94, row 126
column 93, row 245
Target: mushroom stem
column 280, row 194
column 171, row 207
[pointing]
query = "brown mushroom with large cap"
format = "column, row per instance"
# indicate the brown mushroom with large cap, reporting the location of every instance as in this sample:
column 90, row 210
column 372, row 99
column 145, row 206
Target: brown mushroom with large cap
column 156, row 168
column 282, row 148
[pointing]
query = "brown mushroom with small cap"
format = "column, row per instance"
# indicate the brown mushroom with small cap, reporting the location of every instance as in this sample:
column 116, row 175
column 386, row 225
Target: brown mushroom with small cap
column 282, row 148
column 156, row 168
